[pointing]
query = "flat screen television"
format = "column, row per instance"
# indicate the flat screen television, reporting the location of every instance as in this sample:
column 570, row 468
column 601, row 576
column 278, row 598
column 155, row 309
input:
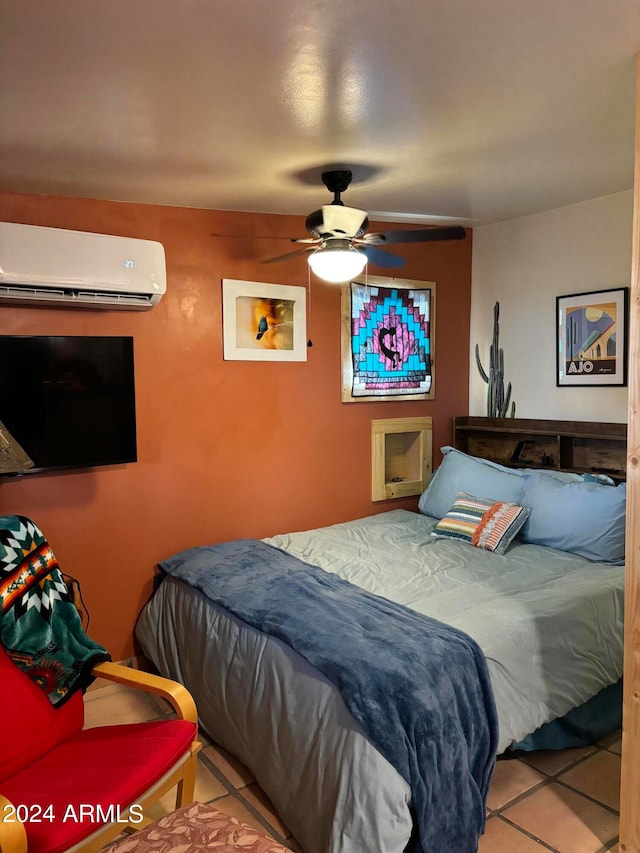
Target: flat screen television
column 69, row 400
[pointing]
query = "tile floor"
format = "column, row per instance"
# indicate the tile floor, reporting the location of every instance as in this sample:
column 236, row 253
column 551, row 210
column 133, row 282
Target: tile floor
column 565, row 802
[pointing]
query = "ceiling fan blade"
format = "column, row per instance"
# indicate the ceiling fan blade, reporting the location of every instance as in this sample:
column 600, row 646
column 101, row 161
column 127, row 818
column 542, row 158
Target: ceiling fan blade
column 254, row 237
column 288, row 255
column 418, row 235
column 381, row 258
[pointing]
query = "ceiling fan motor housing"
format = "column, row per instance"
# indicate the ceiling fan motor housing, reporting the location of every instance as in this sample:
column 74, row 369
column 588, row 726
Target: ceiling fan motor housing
column 337, row 221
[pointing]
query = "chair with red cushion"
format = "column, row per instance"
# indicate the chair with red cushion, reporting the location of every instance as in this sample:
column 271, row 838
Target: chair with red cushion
column 63, row 787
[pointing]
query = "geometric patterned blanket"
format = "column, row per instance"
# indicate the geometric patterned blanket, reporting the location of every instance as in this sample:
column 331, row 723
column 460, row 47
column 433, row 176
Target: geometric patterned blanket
column 40, row 627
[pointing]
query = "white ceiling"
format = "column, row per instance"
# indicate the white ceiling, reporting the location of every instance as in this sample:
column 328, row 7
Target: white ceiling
column 479, row 110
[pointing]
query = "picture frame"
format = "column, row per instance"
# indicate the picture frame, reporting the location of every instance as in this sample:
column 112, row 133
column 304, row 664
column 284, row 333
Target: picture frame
column 263, row 321
column 591, row 338
column 388, row 339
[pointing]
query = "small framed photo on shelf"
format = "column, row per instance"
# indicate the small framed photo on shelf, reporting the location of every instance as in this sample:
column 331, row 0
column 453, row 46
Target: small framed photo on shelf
column 263, row 322
column 591, row 338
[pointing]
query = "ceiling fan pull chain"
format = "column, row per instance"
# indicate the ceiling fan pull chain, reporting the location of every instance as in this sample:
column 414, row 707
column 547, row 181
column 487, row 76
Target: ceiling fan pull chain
column 309, row 341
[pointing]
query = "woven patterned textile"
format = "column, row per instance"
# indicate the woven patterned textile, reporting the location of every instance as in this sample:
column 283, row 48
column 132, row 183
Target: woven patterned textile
column 481, row 522
column 40, row 628
column 195, row 828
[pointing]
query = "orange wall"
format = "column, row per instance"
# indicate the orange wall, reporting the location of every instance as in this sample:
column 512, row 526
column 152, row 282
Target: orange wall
column 225, row 449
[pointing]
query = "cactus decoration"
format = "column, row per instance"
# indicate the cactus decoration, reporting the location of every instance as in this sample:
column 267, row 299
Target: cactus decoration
column 497, row 400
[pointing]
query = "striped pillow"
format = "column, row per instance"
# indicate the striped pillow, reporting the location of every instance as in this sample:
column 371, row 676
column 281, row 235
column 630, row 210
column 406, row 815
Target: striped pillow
column 482, row 522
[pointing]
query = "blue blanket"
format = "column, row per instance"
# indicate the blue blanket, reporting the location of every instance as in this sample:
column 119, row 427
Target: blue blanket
column 419, row 688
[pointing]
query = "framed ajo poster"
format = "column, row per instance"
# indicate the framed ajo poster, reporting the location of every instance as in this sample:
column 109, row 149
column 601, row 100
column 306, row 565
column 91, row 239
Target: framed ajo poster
column 591, row 338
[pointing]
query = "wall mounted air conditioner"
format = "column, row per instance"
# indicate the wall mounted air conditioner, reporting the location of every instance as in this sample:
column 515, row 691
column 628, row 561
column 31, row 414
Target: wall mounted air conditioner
column 76, row 269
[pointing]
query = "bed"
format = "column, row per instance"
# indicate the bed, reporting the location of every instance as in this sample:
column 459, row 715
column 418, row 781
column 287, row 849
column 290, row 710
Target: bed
column 548, row 620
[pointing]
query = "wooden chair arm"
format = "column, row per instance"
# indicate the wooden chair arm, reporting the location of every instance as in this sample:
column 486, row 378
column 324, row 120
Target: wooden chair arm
column 175, row 693
column 13, row 838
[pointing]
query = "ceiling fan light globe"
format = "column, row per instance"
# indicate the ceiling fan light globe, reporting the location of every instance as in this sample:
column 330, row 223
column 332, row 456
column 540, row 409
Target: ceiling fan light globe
column 337, row 265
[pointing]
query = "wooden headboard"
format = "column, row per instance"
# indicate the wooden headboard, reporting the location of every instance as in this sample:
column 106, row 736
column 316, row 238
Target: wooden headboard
column 600, row 448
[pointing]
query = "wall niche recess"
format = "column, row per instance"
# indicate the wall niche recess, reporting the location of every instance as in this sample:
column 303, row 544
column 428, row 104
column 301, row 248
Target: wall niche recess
column 401, row 454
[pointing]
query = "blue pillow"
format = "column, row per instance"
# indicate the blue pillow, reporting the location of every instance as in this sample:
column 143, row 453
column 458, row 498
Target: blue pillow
column 586, row 518
column 460, row 472
column 565, row 476
column 570, row 476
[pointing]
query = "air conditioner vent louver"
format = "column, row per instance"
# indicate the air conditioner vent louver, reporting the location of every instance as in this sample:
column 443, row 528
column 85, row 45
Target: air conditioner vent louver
column 52, row 266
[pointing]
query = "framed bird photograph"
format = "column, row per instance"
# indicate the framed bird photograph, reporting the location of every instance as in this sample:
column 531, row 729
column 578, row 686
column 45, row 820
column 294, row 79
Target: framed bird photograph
column 263, row 322
column 388, row 335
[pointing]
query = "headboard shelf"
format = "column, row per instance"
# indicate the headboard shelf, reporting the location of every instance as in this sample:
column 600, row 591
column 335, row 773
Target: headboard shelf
column 596, row 447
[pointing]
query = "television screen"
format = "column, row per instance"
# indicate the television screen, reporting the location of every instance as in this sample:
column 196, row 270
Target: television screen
column 69, row 401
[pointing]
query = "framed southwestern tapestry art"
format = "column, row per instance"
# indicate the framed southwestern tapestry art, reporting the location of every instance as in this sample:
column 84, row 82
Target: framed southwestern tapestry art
column 591, row 335
column 263, row 322
column 387, row 339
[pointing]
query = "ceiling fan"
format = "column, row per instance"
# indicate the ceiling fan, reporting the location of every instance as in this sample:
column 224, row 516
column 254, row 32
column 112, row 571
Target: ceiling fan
column 339, row 243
